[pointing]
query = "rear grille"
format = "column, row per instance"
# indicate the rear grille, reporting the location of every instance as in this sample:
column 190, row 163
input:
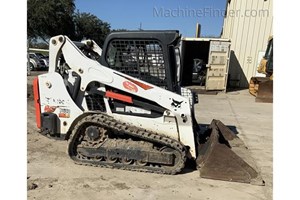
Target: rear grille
column 192, row 97
column 141, row 59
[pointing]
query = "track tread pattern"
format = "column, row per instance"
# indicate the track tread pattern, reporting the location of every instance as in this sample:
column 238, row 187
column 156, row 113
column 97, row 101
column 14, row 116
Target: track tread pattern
column 108, row 122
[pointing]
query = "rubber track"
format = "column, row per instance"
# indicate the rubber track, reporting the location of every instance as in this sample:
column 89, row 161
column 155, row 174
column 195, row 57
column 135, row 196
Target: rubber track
column 109, row 123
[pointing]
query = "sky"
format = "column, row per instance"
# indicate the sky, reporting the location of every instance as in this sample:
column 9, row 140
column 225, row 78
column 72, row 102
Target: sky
column 182, row 15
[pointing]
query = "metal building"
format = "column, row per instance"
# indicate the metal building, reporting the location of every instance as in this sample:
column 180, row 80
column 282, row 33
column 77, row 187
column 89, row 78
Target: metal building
column 248, row 24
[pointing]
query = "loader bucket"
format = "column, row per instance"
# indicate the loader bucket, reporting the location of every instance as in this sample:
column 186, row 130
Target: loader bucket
column 224, row 157
column 265, row 92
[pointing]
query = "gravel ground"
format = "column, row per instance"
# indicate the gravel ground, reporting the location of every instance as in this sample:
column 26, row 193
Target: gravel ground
column 52, row 175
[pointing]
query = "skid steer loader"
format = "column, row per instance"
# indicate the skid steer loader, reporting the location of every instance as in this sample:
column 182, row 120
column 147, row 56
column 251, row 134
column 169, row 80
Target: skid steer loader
column 125, row 109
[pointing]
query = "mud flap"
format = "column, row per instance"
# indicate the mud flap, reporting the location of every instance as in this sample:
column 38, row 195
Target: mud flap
column 224, row 157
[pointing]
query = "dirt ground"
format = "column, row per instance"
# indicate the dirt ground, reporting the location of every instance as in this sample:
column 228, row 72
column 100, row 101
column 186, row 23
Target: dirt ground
column 51, row 174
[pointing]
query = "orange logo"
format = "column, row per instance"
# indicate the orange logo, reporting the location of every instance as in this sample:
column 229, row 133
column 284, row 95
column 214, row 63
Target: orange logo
column 130, row 86
column 50, row 108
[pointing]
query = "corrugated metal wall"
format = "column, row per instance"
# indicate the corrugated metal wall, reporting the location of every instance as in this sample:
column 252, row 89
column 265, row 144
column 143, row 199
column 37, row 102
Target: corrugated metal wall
column 248, row 24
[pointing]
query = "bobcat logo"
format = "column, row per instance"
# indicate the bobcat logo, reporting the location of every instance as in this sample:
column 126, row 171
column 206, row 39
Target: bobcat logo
column 176, row 104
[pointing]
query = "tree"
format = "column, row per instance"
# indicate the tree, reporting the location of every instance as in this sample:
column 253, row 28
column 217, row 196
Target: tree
column 119, row 30
column 89, row 26
column 48, row 18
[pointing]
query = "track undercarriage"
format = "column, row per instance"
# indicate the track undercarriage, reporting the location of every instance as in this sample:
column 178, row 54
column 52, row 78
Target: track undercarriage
column 99, row 140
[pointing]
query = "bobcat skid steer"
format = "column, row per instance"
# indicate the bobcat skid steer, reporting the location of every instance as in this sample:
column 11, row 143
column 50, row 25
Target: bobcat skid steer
column 116, row 120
